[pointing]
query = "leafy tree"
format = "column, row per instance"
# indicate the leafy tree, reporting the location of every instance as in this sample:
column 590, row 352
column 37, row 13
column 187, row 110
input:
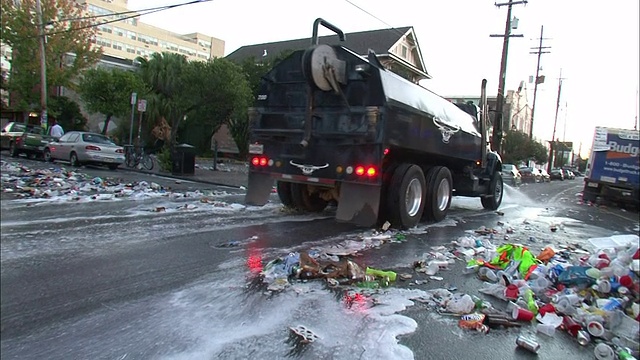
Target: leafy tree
column 163, row 74
column 518, row 147
column 19, row 29
column 109, row 92
column 254, row 69
column 67, row 113
column 217, row 89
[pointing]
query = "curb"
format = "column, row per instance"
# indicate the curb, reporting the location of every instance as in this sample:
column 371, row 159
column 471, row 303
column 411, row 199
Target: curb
column 185, row 178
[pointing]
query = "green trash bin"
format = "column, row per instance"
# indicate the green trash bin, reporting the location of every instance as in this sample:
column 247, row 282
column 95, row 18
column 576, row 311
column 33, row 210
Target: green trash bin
column 183, row 160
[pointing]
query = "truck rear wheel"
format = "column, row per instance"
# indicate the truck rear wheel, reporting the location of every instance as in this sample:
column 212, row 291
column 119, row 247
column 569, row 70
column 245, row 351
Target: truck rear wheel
column 406, row 196
column 284, row 193
column 303, row 200
column 438, row 199
column 493, row 201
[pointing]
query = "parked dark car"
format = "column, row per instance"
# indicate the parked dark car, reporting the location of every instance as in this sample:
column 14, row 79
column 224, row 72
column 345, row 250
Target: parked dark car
column 556, row 174
column 529, row 175
column 511, row 175
column 22, row 138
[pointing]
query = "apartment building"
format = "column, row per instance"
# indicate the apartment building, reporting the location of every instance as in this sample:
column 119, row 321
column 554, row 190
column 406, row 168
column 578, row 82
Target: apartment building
column 130, row 38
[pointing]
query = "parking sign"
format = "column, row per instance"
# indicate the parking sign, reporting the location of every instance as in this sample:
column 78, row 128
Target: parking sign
column 142, row 105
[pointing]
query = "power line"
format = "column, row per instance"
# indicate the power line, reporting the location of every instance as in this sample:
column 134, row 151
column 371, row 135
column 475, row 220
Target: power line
column 375, row 17
column 111, row 14
column 537, row 81
column 148, row 11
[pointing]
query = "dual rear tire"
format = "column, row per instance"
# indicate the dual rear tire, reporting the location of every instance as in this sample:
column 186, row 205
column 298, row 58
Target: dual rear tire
column 299, row 197
column 412, row 195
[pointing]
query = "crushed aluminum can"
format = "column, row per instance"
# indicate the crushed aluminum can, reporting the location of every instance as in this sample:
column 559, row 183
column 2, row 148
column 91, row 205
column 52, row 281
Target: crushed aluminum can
column 528, row 344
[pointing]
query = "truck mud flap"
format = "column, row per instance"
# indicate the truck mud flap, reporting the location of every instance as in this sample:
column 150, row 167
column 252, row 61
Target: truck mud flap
column 358, row 204
column 259, row 189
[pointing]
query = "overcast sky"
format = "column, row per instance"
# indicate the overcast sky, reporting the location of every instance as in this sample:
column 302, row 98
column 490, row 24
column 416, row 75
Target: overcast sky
column 593, row 43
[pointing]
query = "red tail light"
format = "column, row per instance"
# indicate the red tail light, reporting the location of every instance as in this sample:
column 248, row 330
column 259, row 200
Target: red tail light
column 369, row 171
column 92, row 147
column 259, row 161
column 386, row 151
column 120, row 151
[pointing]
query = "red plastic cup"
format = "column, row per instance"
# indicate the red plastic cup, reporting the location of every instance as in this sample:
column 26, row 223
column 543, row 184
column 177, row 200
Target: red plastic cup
column 547, row 308
column 571, row 325
column 521, row 314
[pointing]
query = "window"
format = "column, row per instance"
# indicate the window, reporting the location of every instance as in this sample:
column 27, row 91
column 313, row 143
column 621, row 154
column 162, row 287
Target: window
column 103, row 42
column 99, row 11
column 96, row 139
column 131, row 35
column 118, row 31
column 404, row 51
column 105, row 28
column 117, row 45
column 130, row 49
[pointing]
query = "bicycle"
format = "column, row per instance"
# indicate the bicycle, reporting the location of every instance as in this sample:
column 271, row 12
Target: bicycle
column 136, row 156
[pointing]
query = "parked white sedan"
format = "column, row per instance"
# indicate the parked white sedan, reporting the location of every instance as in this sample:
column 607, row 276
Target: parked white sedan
column 80, row 147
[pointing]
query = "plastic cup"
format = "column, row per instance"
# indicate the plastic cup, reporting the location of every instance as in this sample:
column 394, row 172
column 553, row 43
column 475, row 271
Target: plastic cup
column 511, row 306
column 573, row 298
column 595, row 328
column 604, row 286
column 521, row 314
column 546, row 329
column 547, row 308
column 487, row 274
column 571, row 325
column 564, row 307
column 603, row 351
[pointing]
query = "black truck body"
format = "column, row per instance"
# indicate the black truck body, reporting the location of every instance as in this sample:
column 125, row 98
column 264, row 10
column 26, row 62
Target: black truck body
column 330, row 125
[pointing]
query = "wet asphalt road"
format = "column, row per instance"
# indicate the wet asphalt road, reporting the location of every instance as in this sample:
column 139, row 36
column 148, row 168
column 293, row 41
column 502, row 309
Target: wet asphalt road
column 118, row 280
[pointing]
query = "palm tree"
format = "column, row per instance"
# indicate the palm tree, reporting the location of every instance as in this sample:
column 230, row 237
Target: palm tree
column 163, row 74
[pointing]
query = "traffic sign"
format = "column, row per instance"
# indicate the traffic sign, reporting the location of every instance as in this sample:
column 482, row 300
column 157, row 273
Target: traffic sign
column 142, row 105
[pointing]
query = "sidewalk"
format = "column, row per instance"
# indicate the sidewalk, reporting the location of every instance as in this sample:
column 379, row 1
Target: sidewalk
column 233, row 174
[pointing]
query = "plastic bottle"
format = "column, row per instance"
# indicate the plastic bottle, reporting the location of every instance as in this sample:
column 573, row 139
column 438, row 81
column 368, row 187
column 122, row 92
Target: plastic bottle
column 531, row 302
column 612, row 304
column 381, row 274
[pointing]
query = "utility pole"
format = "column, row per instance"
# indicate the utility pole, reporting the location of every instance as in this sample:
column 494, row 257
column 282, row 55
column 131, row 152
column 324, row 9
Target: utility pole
column 555, row 122
column 43, row 69
column 497, row 124
column 564, row 133
column 537, row 80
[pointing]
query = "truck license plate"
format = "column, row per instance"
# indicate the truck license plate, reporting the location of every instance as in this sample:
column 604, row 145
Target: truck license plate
column 592, row 184
column 256, row 148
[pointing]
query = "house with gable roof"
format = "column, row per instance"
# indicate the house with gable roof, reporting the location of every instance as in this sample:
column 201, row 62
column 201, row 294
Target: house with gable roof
column 396, row 48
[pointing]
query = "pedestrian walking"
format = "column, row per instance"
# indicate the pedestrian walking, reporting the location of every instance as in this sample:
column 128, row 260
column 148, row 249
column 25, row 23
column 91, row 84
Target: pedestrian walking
column 56, row 130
